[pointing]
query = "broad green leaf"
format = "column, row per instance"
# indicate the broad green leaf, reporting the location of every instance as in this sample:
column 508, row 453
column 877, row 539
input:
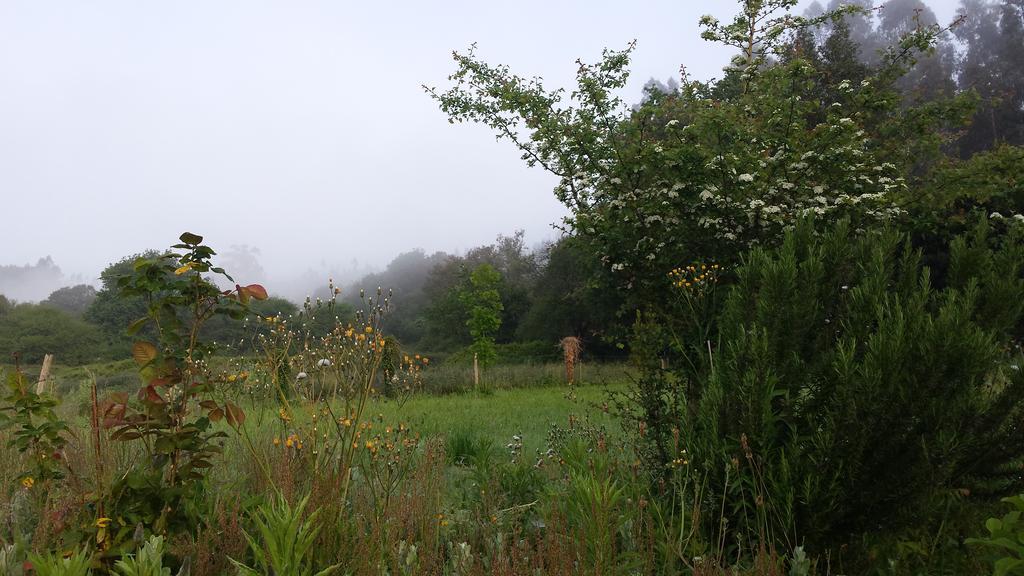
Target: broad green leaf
column 190, row 238
column 137, row 325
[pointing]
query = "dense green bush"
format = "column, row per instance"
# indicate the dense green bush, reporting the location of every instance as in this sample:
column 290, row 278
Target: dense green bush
column 848, row 394
column 34, row 331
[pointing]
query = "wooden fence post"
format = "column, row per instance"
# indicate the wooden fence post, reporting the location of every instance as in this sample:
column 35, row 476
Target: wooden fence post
column 476, row 373
column 44, row 373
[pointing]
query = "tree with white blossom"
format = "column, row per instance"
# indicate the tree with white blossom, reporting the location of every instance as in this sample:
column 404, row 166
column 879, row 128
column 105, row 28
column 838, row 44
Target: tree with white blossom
column 688, row 176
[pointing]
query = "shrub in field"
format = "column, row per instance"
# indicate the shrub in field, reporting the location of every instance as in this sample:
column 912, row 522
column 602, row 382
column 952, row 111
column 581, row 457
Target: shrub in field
column 483, row 304
column 846, row 393
column 37, row 430
column 36, row 330
column 172, row 417
column 283, row 545
column 78, row 563
column 148, row 561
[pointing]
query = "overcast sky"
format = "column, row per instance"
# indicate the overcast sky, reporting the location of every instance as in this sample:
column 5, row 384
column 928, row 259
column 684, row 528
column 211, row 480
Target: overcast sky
column 299, row 128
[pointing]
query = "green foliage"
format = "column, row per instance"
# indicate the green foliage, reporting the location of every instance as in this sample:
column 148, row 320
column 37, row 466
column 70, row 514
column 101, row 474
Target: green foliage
column 708, row 177
column 483, row 302
column 111, row 310
column 286, row 536
column 37, row 431
column 34, row 331
column 573, row 296
column 1006, row 539
column 72, row 299
column 236, row 336
column 148, row 561
column 77, row 564
column 990, row 184
column 848, row 393
column 445, row 315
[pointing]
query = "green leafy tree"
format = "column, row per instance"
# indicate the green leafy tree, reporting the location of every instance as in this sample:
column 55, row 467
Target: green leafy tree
column 72, row 299
column 482, row 302
column 573, row 296
column 445, row 316
column 697, row 177
column 111, row 310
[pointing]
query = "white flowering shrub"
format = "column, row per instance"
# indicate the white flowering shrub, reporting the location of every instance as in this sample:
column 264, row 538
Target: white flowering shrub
column 693, row 175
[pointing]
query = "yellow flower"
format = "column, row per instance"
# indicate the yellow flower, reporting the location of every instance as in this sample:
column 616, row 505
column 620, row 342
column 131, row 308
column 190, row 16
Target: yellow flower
column 232, row 377
column 183, row 269
column 277, row 441
column 102, row 522
column 28, row 482
column 369, row 329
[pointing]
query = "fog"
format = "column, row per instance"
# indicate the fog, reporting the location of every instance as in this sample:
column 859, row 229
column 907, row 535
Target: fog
column 295, row 136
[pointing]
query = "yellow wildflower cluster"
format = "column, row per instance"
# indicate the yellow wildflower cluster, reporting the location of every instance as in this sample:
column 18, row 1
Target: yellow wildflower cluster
column 694, row 276
column 292, row 441
column 239, row 377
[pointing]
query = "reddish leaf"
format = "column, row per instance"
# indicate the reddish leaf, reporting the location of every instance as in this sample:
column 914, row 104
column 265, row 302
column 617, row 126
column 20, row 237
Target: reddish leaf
column 216, row 414
column 208, row 404
column 235, row 415
column 150, row 394
column 243, row 294
column 256, row 291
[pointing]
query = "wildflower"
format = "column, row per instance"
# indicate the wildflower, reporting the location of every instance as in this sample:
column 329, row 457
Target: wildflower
column 102, row 522
column 301, row 376
column 277, row 441
column 746, row 178
column 369, row 329
column 28, row 482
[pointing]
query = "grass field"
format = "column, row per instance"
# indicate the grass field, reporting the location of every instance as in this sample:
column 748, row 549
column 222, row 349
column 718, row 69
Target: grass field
column 497, row 416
